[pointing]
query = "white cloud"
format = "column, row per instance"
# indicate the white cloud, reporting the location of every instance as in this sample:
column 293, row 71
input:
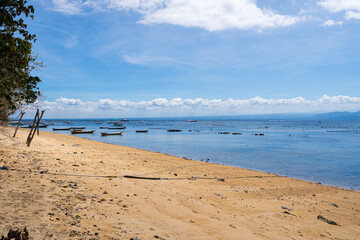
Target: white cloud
column 68, row 6
column 351, row 7
column 199, row 106
column 329, row 23
column 212, row 15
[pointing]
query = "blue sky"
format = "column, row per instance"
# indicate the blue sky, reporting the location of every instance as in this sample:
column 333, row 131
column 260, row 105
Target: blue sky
column 141, row 58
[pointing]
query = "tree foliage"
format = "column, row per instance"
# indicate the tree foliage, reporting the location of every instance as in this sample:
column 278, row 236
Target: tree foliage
column 17, row 86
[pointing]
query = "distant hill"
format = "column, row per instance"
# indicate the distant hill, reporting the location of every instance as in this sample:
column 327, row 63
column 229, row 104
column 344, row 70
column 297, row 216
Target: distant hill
column 337, row 116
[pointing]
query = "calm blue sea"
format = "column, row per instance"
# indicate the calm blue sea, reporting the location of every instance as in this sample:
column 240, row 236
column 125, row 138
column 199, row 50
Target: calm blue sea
column 318, row 151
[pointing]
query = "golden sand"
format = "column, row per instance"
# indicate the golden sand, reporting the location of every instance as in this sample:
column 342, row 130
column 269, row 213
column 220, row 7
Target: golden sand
column 191, row 200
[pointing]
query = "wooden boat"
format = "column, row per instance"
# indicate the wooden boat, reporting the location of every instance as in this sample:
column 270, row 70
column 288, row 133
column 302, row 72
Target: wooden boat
column 111, row 133
column 74, row 128
column 142, row 131
column 124, row 120
column 118, row 124
column 223, row 132
column 236, row 133
column 40, row 126
column 116, row 127
column 60, row 129
column 174, row 130
column 104, row 127
column 80, row 131
column 191, row 120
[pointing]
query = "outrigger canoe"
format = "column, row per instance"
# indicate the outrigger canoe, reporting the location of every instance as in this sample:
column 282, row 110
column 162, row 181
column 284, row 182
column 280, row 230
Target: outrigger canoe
column 61, row 129
column 112, row 133
column 174, row 130
column 79, row 131
column 116, row 127
column 142, row 131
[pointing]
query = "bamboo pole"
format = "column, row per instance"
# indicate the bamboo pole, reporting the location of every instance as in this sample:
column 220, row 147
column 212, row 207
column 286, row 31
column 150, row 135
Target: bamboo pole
column 31, row 133
column 17, row 127
column 38, row 122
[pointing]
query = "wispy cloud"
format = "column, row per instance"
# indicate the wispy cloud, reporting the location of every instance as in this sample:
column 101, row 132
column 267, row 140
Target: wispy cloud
column 330, row 23
column 350, row 7
column 212, row 15
column 70, row 7
column 151, row 60
column 200, row 106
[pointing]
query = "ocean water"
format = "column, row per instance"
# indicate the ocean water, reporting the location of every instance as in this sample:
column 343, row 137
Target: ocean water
column 326, row 151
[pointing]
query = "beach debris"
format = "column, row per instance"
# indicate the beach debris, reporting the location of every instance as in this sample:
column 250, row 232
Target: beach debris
column 77, row 145
column 221, row 180
column 334, row 205
column 286, row 212
column 145, row 178
column 4, row 168
column 286, row 208
column 327, row 220
column 207, row 160
column 16, row 235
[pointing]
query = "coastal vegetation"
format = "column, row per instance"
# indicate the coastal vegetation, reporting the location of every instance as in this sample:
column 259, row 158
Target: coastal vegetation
column 18, row 87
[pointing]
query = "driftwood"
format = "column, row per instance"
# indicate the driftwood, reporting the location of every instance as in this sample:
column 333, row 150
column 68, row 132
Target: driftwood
column 17, row 127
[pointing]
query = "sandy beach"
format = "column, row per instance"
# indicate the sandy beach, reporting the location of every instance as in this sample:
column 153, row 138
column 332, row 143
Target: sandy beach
column 66, row 187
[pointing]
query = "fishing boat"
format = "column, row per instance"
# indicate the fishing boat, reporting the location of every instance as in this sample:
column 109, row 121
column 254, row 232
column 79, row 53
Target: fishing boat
column 113, row 133
column 174, row 130
column 191, row 120
column 142, row 131
column 79, row 131
column 118, row 124
column 124, row 120
column 40, row 126
column 116, row 127
column 104, row 127
column 75, row 128
column 61, row 129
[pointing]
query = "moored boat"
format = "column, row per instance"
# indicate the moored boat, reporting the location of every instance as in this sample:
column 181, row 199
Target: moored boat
column 116, row 127
column 80, row 131
column 111, row 133
column 142, row 131
column 60, row 129
column 174, row 130
column 77, row 128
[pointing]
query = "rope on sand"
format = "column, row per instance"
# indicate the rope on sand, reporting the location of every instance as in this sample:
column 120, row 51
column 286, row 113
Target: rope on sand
column 138, row 176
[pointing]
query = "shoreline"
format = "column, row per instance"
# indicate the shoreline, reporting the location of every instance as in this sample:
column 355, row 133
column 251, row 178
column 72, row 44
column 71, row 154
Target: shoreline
column 219, row 163
column 216, row 163
column 221, row 202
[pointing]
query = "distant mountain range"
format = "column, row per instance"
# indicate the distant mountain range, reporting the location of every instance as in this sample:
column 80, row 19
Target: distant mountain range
column 337, row 116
